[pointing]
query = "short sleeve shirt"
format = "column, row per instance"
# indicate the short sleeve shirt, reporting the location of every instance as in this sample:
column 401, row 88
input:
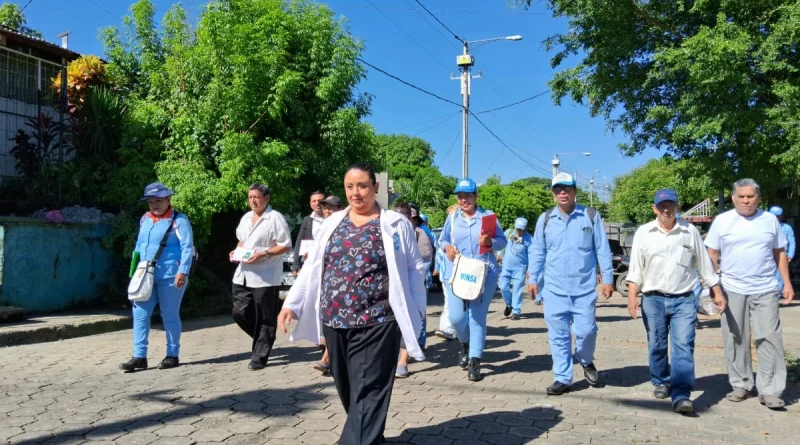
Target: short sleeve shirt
column 355, row 289
column 746, row 246
column 270, row 230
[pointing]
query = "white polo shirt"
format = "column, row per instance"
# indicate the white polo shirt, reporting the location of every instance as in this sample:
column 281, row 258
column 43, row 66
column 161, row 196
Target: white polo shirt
column 269, row 230
column 746, row 250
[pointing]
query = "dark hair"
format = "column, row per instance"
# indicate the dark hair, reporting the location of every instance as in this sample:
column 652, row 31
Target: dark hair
column 366, row 168
column 317, row 192
column 404, row 209
column 263, row 189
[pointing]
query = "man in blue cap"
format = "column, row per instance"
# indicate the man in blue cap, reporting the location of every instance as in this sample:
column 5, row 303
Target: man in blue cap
column 568, row 244
column 667, row 258
column 515, row 266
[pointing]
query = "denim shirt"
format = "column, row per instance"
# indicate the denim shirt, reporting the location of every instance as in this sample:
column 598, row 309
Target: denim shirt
column 466, row 233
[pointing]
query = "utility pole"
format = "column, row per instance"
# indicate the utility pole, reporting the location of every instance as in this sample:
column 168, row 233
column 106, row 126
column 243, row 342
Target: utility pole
column 465, row 61
column 591, row 192
column 556, row 164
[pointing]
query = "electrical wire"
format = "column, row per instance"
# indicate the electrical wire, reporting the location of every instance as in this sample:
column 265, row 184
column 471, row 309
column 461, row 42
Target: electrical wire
column 102, row 9
column 407, row 83
column 26, row 5
column 440, row 22
column 449, row 115
column 514, row 103
column 438, row 31
column 452, row 144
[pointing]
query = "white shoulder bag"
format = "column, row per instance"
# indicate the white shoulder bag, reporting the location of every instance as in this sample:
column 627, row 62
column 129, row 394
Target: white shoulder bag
column 141, row 286
column 469, row 274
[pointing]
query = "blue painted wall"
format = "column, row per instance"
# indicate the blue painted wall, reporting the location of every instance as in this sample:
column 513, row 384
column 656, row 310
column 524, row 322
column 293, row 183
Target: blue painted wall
column 50, row 267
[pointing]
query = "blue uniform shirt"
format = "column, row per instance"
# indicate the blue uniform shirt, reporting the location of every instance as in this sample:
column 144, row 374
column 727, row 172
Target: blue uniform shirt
column 467, row 232
column 789, row 234
column 517, row 254
column 574, row 246
column 177, row 255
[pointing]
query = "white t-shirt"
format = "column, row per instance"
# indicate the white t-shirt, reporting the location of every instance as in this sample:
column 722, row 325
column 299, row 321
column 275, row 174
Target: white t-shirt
column 745, row 245
column 268, row 231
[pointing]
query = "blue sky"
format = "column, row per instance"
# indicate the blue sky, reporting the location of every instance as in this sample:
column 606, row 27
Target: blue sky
column 402, row 39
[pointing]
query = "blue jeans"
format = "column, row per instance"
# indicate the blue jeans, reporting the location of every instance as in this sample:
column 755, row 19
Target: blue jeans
column 423, row 336
column 515, row 279
column 469, row 317
column 168, row 298
column 674, row 317
column 562, row 313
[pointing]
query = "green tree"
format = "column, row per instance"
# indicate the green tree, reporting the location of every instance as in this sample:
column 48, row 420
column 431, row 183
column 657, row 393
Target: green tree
column 715, row 81
column 12, row 16
column 262, row 90
column 510, row 202
column 632, row 198
column 400, row 150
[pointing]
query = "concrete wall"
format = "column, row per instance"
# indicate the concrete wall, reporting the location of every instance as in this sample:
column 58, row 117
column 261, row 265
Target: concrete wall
column 50, row 267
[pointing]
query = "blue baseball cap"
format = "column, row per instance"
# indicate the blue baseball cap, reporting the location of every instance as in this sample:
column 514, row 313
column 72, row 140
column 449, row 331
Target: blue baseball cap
column 156, row 190
column 665, row 195
column 466, row 185
column 521, row 223
column 563, row 179
column 775, row 210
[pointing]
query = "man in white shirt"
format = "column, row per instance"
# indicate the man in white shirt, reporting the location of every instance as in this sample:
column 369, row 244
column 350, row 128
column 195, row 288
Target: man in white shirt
column 746, row 244
column 666, row 258
column 265, row 236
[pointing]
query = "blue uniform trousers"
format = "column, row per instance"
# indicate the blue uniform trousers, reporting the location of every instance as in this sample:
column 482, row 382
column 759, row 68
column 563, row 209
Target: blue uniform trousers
column 560, row 312
column 168, row 298
column 512, row 279
column 469, row 317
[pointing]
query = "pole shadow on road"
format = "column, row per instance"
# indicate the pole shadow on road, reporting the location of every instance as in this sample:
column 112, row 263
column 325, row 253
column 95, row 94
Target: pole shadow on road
column 506, row 427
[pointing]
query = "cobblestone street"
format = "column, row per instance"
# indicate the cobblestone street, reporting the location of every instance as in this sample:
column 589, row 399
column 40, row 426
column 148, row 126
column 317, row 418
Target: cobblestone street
column 71, row 392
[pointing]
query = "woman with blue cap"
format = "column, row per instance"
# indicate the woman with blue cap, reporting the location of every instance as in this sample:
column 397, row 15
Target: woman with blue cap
column 462, row 235
column 161, row 224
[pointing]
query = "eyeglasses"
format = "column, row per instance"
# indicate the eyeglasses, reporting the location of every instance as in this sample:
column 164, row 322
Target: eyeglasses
column 562, row 188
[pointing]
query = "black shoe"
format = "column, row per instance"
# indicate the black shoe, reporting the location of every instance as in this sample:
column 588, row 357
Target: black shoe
column 683, row 406
column 515, row 316
column 661, row 392
column 463, row 356
column 558, row 388
column 591, row 374
column 133, row 364
column 474, row 370
column 169, row 362
column 507, row 312
column 256, row 366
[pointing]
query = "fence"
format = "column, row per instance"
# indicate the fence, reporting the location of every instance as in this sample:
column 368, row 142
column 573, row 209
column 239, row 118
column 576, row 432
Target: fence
column 33, row 142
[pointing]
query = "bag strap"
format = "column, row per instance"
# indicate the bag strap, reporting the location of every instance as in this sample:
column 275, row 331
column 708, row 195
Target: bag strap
column 163, row 243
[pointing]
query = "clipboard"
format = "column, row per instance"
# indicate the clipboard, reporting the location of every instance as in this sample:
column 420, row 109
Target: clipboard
column 488, row 228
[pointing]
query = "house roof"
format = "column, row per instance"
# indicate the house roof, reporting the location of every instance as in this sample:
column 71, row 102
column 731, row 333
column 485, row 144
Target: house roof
column 44, row 47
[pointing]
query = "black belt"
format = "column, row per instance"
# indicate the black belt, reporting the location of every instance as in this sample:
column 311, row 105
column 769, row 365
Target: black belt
column 666, row 295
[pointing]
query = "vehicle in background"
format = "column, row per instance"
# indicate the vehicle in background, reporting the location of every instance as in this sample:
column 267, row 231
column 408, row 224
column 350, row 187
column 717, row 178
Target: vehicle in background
column 287, row 279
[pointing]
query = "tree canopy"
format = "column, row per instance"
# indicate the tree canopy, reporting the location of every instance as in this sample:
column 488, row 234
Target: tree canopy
column 12, row 16
column 714, row 81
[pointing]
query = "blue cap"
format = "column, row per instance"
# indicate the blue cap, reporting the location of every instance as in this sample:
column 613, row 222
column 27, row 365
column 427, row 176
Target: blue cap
column 775, row 210
column 156, row 190
column 564, row 179
column 521, row 223
column 423, row 217
column 665, row 195
column 466, row 185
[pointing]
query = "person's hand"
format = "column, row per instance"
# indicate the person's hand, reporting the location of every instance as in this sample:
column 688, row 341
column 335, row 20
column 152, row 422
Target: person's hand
column 451, row 252
column 180, row 280
column 533, row 289
column 294, row 273
column 633, row 306
column 258, row 256
column 435, row 273
column 484, row 240
column 719, row 300
column 285, row 319
column 788, row 293
column 230, row 256
column 607, row 291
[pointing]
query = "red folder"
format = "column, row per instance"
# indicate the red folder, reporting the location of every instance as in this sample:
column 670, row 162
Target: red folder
column 488, row 228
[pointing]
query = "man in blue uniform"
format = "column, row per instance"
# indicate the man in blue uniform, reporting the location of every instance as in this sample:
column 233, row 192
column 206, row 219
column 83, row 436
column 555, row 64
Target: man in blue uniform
column 515, row 265
column 788, row 232
column 568, row 244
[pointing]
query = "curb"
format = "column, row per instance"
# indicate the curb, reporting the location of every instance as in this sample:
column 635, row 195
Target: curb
column 63, row 332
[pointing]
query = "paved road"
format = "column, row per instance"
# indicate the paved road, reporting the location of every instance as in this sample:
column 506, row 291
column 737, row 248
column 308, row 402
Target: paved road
column 70, row 392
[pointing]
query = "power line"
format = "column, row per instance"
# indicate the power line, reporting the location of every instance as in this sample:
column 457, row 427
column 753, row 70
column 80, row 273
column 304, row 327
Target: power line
column 503, row 143
column 102, row 9
column 408, row 84
column 514, row 103
column 449, row 115
column 438, row 31
column 452, row 144
column 408, row 35
column 440, row 22
column 26, row 5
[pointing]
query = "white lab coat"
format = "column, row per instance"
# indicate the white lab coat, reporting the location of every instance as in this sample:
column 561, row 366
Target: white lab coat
column 407, row 295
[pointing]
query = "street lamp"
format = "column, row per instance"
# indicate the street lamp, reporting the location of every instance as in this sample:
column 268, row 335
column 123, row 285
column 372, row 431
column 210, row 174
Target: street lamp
column 465, row 62
column 556, row 162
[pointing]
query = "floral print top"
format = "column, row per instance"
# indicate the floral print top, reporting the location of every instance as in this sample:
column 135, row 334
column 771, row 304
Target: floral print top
column 355, row 283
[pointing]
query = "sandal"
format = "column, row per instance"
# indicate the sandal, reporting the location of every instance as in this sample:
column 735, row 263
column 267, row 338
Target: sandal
column 771, row 402
column 738, row 395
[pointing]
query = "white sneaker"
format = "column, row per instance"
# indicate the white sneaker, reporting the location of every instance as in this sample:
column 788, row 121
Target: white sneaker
column 445, row 335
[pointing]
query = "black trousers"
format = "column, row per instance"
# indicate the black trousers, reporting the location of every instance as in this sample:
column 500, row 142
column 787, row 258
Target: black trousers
column 363, row 363
column 256, row 310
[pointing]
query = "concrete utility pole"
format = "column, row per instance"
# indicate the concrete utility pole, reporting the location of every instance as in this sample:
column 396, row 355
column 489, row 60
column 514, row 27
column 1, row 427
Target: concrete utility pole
column 556, row 164
column 591, row 192
column 465, row 62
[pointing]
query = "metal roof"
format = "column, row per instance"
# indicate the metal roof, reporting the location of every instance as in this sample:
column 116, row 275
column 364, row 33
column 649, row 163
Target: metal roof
column 40, row 44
